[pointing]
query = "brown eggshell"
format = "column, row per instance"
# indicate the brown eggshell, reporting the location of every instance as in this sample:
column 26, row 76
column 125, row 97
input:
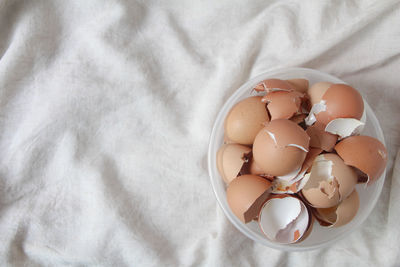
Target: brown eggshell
column 300, row 85
column 245, row 120
column 316, row 198
column 227, row 141
column 320, row 138
column 230, row 159
column 366, row 153
column 255, row 169
column 341, row 214
column 283, row 104
column 273, row 84
column 246, row 194
column 345, row 175
column 342, row 101
column 322, row 188
column 317, row 91
column 311, row 155
column 280, row 156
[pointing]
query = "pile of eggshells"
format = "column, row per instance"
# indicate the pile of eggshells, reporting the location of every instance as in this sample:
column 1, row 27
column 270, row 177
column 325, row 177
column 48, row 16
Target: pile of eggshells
column 292, row 154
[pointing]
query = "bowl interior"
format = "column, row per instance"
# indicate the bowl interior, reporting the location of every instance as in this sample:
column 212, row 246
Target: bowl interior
column 319, row 236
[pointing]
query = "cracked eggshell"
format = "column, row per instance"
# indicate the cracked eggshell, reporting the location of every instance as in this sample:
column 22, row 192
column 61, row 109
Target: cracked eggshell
column 321, row 189
column 300, row 85
column 329, row 182
column 230, row 160
column 344, row 127
column 365, row 153
column 342, row 101
column 341, row 214
column 296, row 183
column 345, row 175
column 246, row 194
column 245, row 120
column 319, row 138
column 307, row 164
column 283, row 104
column 273, row 85
column 284, row 219
column 280, row 147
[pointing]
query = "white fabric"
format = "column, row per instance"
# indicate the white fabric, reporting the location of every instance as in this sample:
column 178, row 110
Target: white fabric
column 106, row 109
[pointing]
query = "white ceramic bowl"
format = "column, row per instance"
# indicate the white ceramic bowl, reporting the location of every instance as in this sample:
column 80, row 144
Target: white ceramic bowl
column 319, row 236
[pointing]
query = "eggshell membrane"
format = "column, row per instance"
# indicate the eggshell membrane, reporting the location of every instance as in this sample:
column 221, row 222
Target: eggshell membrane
column 270, row 84
column 300, row 85
column 299, row 218
column 283, row 104
column 342, row 101
column 230, row 159
column 246, row 194
column 245, row 120
column 317, row 90
column 319, row 138
column 366, row 153
column 277, row 157
column 345, row 175
column 345, row 127
column 341, row 214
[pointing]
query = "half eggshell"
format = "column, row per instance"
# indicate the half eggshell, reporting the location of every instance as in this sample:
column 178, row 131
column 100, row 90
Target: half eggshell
column 280, row 147
column 365, row 153
column 245, row 120
column 230, row 160
column 341, row 100
column 246, row 194
column 284, row 219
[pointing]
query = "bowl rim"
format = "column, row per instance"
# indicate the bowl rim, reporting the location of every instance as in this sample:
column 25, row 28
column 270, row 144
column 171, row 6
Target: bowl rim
column 235, row 221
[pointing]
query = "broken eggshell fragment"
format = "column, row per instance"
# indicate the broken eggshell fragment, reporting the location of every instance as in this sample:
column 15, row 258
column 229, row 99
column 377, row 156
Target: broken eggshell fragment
column 329, row 182
column 319, row 138
column 283, row 104
column 230, row 160
column 280, row 147
column 270, row 85
column 344, row 127
column 365, row 153
column 340, row 214
column 245, row 120
column 246, row 194
column 296, row 183
column 284, row 219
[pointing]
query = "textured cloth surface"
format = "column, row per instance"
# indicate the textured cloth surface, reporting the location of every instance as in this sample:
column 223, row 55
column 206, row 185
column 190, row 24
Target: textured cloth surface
column 106, row 108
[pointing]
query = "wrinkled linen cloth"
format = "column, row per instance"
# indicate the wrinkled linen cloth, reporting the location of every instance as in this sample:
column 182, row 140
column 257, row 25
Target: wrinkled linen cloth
column 106, row 108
